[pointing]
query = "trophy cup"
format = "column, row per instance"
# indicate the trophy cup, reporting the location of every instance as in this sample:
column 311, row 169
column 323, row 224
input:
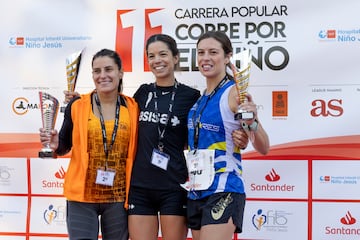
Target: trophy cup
column 49, row 106
column 241, row 77
column 72, row 70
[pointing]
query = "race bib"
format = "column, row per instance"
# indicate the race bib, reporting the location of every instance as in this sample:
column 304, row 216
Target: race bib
column 160, row 159
column 105, row 177
column 201, row 169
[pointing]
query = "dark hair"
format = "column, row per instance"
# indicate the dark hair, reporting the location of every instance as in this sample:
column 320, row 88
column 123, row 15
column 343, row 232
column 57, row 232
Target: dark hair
column 222, row 38
column 113, row 55
column 219, row 36
column 168, row 40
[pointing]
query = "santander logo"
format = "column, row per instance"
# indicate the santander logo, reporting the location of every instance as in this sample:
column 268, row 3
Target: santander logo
column 348, row 230
column 60, row 175
column 272, row 177
column 348, row 219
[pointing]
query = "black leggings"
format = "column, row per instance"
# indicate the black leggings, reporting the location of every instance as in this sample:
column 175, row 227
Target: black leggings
column 83, row 221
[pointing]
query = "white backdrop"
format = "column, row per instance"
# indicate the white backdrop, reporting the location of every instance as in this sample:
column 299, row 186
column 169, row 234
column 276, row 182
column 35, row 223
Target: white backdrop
column 305, row 80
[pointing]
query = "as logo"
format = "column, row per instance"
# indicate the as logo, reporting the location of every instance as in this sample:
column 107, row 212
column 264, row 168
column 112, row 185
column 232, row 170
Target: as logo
column 332, row 107
column 127, row 34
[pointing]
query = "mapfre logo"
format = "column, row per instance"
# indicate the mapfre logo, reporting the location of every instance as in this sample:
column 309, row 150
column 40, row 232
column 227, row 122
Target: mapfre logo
column 126, row 33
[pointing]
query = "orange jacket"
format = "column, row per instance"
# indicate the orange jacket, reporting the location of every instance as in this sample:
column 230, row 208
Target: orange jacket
column 75, row 176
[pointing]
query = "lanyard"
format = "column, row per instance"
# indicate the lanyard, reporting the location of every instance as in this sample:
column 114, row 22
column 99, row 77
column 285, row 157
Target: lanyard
column 103, row 129
column 171, row 104
column 197, row 123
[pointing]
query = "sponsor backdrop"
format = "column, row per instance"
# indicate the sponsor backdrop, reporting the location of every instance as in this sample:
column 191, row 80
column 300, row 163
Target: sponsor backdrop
column 305, row 80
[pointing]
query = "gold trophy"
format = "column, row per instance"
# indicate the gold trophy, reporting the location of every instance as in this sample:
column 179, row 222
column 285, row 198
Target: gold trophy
column 49, row 107
column 72, row 70
column 242, row 77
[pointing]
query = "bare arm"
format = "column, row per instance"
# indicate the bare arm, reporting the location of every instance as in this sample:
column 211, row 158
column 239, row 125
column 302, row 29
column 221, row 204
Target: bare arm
column 258, row 135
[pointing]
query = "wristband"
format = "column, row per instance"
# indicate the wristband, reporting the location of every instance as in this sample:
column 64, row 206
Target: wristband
column 252, row 127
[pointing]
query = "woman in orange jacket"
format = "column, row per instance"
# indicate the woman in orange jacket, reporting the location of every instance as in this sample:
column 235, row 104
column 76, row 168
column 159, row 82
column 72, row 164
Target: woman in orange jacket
column 100, row 130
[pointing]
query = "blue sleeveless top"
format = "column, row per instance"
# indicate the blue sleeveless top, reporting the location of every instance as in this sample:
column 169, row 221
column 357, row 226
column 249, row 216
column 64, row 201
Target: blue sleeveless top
column 216, row 125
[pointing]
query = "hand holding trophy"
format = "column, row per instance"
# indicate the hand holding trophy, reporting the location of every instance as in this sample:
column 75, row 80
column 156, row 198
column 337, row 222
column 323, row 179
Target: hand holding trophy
column 72, row 70
column 242, row 77
column 49, row 107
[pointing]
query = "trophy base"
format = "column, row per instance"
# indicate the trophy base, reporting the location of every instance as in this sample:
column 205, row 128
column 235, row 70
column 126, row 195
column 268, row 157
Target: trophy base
column 244, row 115
column 47, row 153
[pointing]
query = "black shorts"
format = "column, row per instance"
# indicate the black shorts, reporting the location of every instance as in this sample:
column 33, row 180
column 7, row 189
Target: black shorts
column 83, row 220
column 144, row 201
column 216, row 209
